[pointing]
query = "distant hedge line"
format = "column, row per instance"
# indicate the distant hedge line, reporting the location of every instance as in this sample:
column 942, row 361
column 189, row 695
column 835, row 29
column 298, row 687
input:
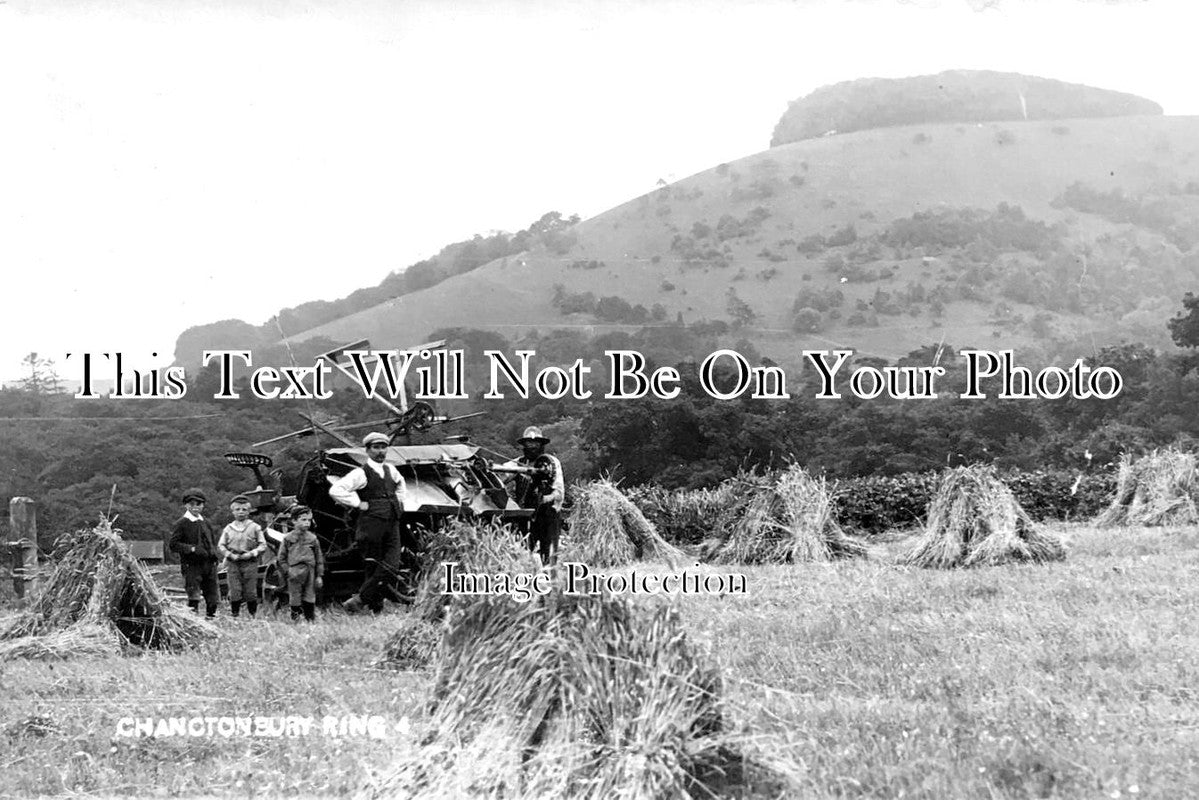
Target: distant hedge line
column 877, row 504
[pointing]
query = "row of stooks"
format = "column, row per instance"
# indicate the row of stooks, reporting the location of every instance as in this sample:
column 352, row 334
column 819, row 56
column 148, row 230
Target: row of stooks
column 99, row 590
column 574, row 696
column 583, row 696
column 595, row 697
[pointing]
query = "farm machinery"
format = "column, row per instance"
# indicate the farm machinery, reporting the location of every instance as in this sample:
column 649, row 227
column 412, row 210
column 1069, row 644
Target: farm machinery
column 445, row 481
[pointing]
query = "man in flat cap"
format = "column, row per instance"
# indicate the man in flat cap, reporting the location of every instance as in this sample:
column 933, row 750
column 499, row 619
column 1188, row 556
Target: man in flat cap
column 193, row 540
column 376, row 491
column 543, row 491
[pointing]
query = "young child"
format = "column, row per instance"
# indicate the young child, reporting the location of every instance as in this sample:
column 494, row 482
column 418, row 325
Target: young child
column 242, row 542
column 302, row 564
column 192, row 539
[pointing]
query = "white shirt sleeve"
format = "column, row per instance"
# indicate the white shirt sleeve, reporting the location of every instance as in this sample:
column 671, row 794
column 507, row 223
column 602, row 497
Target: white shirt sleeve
column 344, row 490
column 558, row 493
column 401, row 484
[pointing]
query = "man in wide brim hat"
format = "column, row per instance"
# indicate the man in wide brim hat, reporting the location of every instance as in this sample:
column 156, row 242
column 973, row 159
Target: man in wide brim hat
column 543, row 491
column 533, row 435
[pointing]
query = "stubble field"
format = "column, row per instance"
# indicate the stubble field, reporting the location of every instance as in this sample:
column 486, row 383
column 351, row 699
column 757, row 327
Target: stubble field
column 1073, row 680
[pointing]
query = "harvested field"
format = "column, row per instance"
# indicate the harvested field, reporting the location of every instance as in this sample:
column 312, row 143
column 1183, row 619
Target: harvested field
column 1072, row 680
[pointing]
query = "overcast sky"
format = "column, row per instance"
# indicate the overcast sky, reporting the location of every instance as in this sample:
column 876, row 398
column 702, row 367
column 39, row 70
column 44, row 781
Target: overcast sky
column 170, row 164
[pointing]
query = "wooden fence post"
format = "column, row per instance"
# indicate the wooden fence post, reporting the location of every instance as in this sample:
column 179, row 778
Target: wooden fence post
column 22, row 516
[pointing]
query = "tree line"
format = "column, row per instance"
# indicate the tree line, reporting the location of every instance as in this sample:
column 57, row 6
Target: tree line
column 68, row 454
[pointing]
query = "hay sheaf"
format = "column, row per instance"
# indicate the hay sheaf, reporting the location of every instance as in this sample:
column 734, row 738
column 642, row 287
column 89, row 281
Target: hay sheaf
column 787, row 517
column 573, row 696
column 975, row 520
column 607, row 529
column 476, row 548
column 1160, row 488
column 98, row 590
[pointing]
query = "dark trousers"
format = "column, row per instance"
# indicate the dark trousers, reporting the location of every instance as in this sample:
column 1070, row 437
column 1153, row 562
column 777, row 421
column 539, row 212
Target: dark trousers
column 387, row 548
column 544, row 530
column 199, row 579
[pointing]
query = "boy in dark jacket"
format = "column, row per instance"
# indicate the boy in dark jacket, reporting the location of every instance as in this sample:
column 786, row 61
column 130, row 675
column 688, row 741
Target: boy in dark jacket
column 192, row 539
column 302, row 564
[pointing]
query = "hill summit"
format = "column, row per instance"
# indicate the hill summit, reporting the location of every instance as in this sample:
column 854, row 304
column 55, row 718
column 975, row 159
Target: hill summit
column 953, row 96
column 1049, row 237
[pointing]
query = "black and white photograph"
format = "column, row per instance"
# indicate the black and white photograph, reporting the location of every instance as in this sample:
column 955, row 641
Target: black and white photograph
column 634, row 399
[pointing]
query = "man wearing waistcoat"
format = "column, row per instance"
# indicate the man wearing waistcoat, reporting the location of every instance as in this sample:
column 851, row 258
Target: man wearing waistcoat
column 376, row 490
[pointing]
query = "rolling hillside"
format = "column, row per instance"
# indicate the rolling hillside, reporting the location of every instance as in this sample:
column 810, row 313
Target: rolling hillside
column 753, row 227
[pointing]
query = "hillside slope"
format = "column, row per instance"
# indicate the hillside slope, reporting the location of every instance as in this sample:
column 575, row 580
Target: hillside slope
column 741, row 228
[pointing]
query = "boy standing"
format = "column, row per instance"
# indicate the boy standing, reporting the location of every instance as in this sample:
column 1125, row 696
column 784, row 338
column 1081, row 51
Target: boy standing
column 192, row 539
column 302, row 564
column 241, row 543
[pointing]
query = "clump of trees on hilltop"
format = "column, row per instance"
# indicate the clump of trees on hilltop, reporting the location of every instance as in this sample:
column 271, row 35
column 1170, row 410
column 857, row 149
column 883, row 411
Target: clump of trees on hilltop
column 955, row 96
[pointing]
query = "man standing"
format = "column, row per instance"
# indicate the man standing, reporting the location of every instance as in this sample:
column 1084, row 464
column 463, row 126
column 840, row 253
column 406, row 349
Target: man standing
column 192, row 539
column 543, row 491
column 377, row 492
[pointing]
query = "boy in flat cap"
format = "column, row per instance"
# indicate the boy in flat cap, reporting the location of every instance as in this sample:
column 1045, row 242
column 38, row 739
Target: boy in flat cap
column 376, row 490
column 241, row 544
column 193, row 541
column 541, row 491
column 302, row 564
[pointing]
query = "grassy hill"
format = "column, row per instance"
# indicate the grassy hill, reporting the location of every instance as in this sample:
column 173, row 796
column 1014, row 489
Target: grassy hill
column 741, row 226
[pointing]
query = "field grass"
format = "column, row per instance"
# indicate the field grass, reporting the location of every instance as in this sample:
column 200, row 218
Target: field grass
column 1074, row 680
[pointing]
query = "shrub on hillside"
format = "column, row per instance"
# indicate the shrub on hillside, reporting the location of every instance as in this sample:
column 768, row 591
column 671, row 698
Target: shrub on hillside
column 1006, row 228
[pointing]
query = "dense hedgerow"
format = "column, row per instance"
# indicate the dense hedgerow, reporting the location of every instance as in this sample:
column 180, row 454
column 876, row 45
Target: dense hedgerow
column 880, row 503
column 1051, row 494
column 877, row 504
